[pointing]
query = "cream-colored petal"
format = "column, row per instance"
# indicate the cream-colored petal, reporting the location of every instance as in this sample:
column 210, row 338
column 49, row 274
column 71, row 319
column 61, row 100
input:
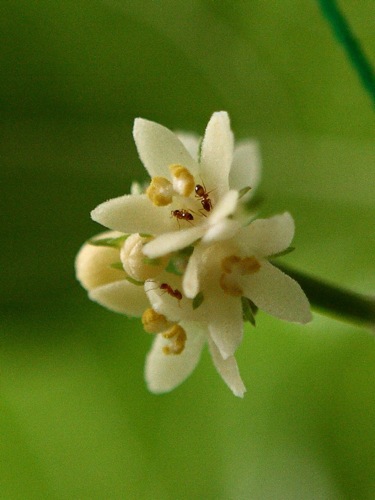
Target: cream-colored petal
column 93, row 263
column 217, row 154
column 133, row 214
column 165, row 372
column 228, row 369
column 158, row 148
column 226, row 206
column 122, row 297
column 173, row 241
column 246, row 166
column 277, row 294
column 168, row 305
column 190, row 282
column 191, row 142
column 268, row 236
column 225, row 322
column 223, row 230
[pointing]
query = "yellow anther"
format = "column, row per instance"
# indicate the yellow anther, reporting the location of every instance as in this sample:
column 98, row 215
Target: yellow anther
column 160, row 191
column 233, row 268
column 229, row 262
column 230, row 287
column 183, row 181
column 249, row 265
column 154, row 322
column 177, row 335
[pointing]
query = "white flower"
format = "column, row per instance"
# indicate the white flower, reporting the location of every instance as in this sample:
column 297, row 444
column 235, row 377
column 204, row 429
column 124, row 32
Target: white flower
column 225, row 275
column 202, row 266
column 111, row 288
column 189, row 198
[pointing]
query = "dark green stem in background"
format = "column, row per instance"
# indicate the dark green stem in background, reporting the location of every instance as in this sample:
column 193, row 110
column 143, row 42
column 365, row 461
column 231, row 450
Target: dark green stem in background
column 350, row 44
column 333, row 300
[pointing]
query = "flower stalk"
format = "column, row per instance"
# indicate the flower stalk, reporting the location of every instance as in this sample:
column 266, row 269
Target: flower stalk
column 333, row 300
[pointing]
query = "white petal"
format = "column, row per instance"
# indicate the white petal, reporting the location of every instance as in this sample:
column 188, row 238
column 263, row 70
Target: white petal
column 158, row 148
column 217, row 154
column 268, row 236
column 191, row 142
column 246, row 166
column 171, row 242
column 277, row 294
column 122, row 297
column 133, row 214
column 228, row 370
column 226, row 206
column 190, row 283
column 165, row 372
column 225, row 322
column 223, row 230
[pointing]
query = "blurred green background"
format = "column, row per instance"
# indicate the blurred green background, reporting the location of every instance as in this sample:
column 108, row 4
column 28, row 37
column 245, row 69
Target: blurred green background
column 76, row 420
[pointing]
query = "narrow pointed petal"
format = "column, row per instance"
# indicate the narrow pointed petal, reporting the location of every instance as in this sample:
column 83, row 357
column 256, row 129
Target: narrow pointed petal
column 133, row 214
column 158, row 148
column 122, row 297
column 277, row 294
column 226, row 206
column 190, row 282
column 191, row 143
column 268, row 236
column 246, row 166
column 173, row 241
column 224, row 314
column 223, row 230
column 217, row 154
column 228, row 369
column 165, row 372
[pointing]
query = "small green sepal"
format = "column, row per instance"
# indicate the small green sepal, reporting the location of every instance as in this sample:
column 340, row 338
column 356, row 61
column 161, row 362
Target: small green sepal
column 117, row 265
column 198, row 299
column 151, row 262
column 243, row 191
column 109, row 242
column 284, row 252
column 248, row 310
column 134, row 282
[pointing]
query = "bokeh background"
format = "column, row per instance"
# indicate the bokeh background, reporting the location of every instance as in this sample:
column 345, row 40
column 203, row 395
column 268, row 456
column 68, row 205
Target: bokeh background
column 76, row 420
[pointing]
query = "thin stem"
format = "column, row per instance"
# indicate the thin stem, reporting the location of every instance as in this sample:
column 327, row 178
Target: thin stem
column 350, row 44
column 333, row 300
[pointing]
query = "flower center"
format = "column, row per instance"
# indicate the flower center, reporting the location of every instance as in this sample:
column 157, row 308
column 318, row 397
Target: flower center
column 233, row 267
column 161, row 190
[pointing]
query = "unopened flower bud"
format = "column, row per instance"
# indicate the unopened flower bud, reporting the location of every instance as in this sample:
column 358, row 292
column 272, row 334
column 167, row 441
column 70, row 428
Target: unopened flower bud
column 136, row 264
column 93, row 263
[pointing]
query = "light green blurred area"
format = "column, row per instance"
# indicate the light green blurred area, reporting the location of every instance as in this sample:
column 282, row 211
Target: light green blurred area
column 76, row 420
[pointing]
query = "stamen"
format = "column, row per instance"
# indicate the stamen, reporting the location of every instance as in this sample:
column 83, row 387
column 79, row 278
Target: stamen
column 233, row 268
column 178, row 337
column 229, row 286
column 154, row 322
column 160, row 191
column 183, row 181
column 229, row 262
column 249, row 265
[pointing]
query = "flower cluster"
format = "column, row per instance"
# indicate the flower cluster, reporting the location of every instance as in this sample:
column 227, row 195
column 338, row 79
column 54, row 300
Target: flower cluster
column 186, row 255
